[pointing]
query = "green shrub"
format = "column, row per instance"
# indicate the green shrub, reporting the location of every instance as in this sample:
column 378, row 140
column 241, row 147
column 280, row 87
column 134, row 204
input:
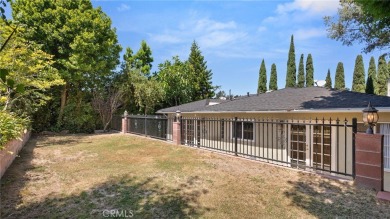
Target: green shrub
column 79, row 118
column 11, row 127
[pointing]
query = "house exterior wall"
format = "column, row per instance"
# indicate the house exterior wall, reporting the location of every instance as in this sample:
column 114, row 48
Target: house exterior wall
column 386, row 181
column 272, row 141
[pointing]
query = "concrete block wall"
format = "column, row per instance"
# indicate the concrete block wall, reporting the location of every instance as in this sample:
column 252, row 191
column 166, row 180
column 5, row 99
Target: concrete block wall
column 11, row 150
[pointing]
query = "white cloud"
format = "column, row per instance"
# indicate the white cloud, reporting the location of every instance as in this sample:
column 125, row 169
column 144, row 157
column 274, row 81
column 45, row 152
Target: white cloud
column 123, row 7
column 314, row 6
column 207, row 32
column 220, row 38
column 304, row 34
column 261, row 29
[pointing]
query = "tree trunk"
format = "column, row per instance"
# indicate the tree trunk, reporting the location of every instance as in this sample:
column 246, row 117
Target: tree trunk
column 64, row 95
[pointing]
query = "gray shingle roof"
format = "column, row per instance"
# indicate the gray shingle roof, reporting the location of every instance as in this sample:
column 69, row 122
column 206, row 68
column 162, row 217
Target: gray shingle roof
column 311, row 98
column 193, row 106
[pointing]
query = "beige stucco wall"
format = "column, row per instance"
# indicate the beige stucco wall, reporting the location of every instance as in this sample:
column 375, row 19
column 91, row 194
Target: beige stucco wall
column 267, row 142
column 386, row 182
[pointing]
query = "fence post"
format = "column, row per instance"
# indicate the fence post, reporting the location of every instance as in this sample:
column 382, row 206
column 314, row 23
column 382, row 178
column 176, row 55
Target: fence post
column 124, row 124
column 369, row 160
column 235, row 135
column 145, row 126
column 176, row 132
column 354, row 131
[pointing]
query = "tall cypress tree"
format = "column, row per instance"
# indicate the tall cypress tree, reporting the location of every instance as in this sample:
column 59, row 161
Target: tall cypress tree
column 203, row 76
column 309, row 71
column 328, row 80
column 383, row 76
column 371, row 79
column 301, row 73
column 339, row 78
column 291, row 77
column 273, row 81
column 262, row 84
column 359, row 81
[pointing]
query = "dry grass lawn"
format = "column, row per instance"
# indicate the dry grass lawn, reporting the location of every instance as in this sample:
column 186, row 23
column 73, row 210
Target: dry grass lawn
column 82, row 176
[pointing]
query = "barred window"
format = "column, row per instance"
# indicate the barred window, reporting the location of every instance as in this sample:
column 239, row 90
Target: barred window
column 243, row 130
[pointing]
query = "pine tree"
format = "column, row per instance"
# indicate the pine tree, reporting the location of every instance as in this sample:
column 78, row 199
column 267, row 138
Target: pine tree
column 262, row 84
column 359, row 81
column 204, row 87
column 328, row 80
column 371, row 79
column 291, row 66
column 301, row 73
column 309, row 71
column 273, row 81
column 339, row 78
column 383, row 76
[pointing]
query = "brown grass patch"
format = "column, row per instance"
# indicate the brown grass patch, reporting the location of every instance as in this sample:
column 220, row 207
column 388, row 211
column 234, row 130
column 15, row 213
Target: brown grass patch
column 83, row 175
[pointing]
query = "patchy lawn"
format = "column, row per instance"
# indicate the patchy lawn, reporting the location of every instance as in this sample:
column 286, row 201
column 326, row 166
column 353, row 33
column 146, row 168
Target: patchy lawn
column 85, row 175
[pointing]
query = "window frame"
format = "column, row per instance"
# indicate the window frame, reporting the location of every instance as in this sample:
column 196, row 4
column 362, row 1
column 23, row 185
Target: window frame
column 241, row 137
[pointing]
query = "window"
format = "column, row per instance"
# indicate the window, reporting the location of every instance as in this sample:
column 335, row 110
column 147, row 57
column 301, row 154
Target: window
column 243, row 130
column 222, row 128
column 322, row 147
column 385, row 130
column 298, row 145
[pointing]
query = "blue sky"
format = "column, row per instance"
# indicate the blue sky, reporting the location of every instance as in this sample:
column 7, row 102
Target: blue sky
column 234, row 36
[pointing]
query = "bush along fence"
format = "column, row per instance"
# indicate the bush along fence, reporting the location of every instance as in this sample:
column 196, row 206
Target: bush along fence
column 326, row 146
column 11, row 150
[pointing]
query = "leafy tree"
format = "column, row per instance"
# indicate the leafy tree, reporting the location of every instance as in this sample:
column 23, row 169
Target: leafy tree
column 106, row 103
column 142, row 60
column 291, row 66
column 371, row 79
column 273, row 81
column 220, row 94
column 177, row 80
column 361, row 21
column 383, row 76
column 204, row 87
column 328, row 80
column 309, row 71
column 262, row 84
column 359, row 81
column 27, row 72
column 2, row 11
column 147, row 93
column 339, row 78
column 80, row 38
column 301, row 73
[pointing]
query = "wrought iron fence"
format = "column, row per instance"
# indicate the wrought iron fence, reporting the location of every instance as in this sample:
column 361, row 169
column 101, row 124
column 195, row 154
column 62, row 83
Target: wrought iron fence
column 116, row 123
column 150, row 125
column 322, row 145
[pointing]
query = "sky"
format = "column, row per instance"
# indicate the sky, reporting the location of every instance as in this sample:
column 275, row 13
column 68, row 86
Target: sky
column 234, row 36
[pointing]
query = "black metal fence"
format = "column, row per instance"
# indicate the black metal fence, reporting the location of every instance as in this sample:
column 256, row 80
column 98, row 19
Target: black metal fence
column 150, row 125
column 322, row 145
column 116, row 123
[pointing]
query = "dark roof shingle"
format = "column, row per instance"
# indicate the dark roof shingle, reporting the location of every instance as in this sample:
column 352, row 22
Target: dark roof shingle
column 311, row 98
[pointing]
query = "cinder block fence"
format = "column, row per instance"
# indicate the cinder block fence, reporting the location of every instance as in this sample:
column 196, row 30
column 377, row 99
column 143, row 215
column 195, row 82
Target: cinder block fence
column 11, row 150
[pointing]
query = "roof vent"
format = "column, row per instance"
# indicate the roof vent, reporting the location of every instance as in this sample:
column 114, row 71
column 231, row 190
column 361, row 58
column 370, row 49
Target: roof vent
column 247, row 93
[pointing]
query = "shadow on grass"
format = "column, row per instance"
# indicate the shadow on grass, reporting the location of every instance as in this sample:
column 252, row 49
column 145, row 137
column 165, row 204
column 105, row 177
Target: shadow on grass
column 61, row 140
column 141, row 198
column 329, row 198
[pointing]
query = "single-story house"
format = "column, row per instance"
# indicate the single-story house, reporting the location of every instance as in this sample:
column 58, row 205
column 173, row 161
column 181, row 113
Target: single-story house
column 310, row 126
